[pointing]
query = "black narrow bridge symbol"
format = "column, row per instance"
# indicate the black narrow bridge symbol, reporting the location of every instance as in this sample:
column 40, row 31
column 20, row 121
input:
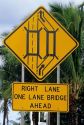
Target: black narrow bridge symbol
column 49, row 51
column 28, row 31
column 38, row 43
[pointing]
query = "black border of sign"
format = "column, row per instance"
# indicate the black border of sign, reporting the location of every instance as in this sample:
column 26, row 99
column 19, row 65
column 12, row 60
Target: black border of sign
column 77, row 44
column 41, row 84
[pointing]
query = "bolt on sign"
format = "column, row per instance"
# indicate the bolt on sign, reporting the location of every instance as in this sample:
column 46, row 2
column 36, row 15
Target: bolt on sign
column 41, row 43
column 40, row 97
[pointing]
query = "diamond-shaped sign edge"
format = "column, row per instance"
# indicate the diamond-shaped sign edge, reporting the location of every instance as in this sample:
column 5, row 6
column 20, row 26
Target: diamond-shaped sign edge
column 77, row 44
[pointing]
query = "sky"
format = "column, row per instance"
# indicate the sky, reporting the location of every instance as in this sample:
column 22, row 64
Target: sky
column 13, row 12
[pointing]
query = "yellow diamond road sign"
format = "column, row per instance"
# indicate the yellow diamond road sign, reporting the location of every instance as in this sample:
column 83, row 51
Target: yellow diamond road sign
column 41, row 43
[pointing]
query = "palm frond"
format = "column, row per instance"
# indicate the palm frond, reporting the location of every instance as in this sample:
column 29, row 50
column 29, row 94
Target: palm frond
column 8, row 92
column 69, row 68
column 56, row 8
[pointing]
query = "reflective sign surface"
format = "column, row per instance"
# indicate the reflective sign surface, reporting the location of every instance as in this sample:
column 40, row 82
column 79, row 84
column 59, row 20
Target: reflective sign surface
column 50, row 97
column 41, row 43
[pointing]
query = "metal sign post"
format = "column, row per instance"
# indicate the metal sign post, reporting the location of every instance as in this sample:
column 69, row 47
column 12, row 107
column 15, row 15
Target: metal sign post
column 22, row 73
column 58, row 81
column 22, row 113
column 48, row 119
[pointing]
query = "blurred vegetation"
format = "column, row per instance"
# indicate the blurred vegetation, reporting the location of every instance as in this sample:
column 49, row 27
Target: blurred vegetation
column 72, row 71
